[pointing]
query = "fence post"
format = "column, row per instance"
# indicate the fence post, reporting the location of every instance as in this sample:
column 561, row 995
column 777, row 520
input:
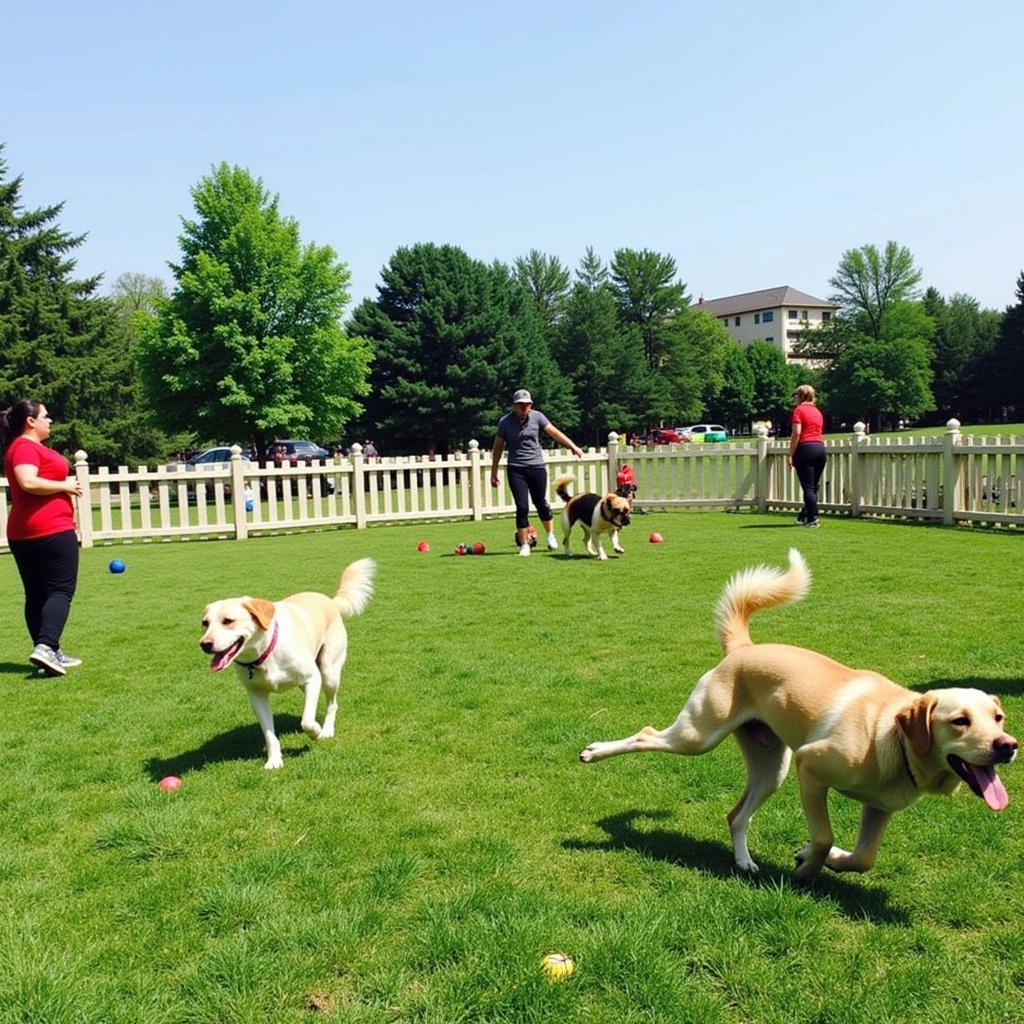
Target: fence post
column 85, row 501
column 613, row 459
column 856, row 467
column 476, row 486
column 761, row 480
column 355, row 453
column 238, row 494
column 952, row 472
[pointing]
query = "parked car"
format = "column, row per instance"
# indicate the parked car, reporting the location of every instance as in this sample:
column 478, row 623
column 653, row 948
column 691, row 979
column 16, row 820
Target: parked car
column 294, row 452
column 221, row 455
column 666, row 436
column 707, row 432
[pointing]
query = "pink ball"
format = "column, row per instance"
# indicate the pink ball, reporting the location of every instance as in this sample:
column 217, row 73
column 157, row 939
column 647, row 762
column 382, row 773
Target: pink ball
column 656, row 538
column 423, row 546
column 170, row 783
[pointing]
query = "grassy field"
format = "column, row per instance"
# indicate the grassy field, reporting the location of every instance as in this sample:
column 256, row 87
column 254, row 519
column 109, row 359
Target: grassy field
column 419, row 866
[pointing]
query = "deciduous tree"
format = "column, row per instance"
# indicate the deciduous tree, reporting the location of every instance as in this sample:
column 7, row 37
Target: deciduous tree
column 250, row 343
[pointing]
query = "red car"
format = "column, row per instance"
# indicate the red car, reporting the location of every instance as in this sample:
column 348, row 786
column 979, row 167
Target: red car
column 666, row 436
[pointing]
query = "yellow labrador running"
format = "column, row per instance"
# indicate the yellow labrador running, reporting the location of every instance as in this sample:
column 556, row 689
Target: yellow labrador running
column 297, row 641
column 852, row 730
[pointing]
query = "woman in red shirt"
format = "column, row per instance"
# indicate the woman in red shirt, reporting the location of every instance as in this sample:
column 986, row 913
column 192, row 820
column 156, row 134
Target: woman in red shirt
column 41, row 529
column 807, row 451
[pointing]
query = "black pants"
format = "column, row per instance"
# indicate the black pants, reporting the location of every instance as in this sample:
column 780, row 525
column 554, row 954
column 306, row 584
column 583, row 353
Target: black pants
column 526, row 482
column 809, row 463
column 49, row 573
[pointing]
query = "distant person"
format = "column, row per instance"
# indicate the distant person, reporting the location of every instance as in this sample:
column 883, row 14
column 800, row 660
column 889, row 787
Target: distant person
column 807, row 451
column 41, row 529
column 370, row 450
column 527, row 472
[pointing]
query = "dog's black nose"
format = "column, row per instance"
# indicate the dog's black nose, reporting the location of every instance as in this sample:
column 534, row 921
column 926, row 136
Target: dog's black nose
column 1004, row 747
column 206, row 646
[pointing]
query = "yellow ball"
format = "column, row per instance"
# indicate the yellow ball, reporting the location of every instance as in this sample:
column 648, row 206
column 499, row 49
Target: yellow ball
column 557, row 966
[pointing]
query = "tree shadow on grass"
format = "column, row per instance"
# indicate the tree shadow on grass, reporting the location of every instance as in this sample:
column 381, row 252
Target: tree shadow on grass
column 1005, row 686
column 243, row 743
column 714, row 858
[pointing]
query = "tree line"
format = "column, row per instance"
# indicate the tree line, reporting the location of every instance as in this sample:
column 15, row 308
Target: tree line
column 250, row 342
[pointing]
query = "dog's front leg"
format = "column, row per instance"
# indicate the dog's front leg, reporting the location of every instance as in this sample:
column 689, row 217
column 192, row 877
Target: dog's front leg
column 260, row 704
column 872, row 827
column 814, row 798
column 616, row 546
column 312, row 698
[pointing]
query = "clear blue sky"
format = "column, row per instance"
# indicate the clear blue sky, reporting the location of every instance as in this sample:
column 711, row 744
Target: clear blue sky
column 753, row 142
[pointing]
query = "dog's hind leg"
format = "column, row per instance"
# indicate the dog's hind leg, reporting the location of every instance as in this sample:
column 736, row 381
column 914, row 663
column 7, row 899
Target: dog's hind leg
column 311, row 690
column 332, row 680
column 566, row 530
column 767, row 759
column 702, row 724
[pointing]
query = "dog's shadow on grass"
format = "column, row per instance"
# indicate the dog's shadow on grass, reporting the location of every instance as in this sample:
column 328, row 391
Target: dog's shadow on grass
column 714, row 858
column 243, row 743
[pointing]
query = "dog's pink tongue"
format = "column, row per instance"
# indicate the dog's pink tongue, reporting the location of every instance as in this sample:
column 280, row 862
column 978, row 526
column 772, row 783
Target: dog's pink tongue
column 221, row 659
column 993, row 792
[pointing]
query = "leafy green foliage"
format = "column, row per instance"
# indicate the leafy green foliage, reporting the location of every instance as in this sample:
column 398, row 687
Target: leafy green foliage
column 773, row 382
column 249, row 345
column 868, row 283
column 735, row 402
column 453, row 338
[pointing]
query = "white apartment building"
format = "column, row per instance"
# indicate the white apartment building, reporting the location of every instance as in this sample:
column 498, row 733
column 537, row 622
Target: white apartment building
column 775, row 315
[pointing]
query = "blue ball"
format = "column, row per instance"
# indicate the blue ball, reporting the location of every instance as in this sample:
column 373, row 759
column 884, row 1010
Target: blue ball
column 117, row 566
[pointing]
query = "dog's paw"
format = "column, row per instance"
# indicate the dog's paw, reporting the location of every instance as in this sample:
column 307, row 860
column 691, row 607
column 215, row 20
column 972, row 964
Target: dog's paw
column 312, row 730
column 748, row 867
column 587, row 754
column 326, row 733
column 273, row 763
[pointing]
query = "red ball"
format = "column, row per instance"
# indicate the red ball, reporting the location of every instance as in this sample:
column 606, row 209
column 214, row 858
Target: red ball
column 478, row 548
column 656, row 538
column 170, row 783
column 423, row 546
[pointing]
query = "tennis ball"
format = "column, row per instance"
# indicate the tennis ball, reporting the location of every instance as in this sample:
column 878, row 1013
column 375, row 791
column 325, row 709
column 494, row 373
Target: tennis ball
column 557, row 966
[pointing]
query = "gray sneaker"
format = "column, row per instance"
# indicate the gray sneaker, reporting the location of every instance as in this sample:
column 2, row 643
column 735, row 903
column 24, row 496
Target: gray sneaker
column 67, row 660
column 47, row 658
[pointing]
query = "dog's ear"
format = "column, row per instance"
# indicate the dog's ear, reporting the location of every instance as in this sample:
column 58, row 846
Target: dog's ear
column 262, row 611
column 916, row 722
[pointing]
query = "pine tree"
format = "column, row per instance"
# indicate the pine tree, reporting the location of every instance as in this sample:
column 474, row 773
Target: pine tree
column 452, row 338
column 59, row 341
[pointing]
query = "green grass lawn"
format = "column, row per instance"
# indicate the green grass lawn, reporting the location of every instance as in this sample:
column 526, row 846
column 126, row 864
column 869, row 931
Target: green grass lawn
column 419, row 866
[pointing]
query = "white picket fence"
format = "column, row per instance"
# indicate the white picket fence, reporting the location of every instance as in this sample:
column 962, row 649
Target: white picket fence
column 944, row 479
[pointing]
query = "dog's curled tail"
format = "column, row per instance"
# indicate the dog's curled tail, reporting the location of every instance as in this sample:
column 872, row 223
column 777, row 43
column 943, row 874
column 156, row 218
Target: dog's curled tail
column 355, row 588
column 562, row 486
column 750, row 590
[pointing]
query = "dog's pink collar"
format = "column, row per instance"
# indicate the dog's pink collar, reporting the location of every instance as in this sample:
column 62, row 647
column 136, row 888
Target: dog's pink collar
column 253, row 665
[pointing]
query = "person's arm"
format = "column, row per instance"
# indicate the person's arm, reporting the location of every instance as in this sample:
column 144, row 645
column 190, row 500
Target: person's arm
column 552, row 431
column 499, row 447
column 794, row 439
column 31, row 482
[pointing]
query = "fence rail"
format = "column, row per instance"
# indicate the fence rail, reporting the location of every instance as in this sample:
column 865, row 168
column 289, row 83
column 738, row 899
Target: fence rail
column 947, row 479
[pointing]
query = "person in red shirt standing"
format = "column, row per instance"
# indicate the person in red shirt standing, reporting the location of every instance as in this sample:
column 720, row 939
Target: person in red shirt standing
column 41, row 529
column 807, row 451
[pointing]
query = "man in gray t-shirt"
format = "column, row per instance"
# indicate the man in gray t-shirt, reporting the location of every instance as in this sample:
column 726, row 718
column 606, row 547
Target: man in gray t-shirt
column 520, row 431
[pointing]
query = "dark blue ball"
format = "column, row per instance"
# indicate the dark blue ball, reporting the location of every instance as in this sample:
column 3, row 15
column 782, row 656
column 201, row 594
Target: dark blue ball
column 117, row 566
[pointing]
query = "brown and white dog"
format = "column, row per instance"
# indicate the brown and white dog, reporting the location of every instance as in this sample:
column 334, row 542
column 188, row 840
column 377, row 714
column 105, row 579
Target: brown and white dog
column 297, row 641
column 595, row 514
column 852, row 730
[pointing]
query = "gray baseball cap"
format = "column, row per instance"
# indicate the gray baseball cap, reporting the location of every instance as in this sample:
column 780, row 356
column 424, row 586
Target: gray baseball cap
column 522, row 395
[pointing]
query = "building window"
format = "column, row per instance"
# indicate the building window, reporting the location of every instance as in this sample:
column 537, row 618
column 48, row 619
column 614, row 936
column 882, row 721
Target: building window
column 757, row 318
column 803, row 314
column 770, row 338
column 737, row 322
column 725, row 320
column 768, row 317
column 792, row 314
column 826, row 315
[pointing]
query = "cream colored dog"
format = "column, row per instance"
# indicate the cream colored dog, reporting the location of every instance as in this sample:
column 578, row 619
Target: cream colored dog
column 852, row 730
column 297, row 641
